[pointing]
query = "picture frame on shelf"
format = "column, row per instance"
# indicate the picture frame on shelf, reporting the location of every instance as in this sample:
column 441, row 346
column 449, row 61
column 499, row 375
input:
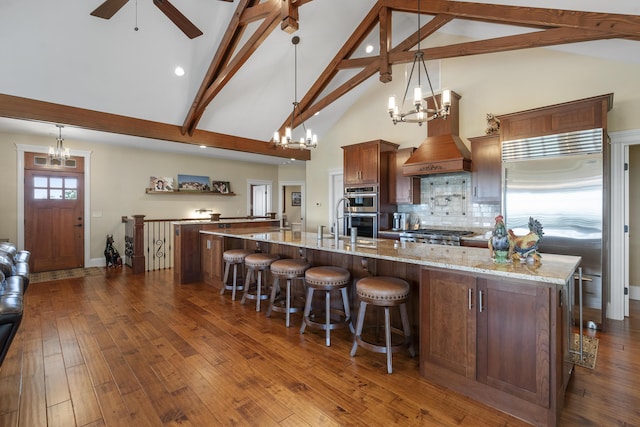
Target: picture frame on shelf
column 161, row 183
column 194, row 183
column 220, row 187
column 296, row 198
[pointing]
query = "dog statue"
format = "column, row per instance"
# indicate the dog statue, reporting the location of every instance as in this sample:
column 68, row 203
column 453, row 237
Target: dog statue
column 111, row 255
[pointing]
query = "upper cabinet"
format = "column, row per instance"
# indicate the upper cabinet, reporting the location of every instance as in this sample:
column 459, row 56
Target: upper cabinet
column 403, row 190
column 486, row 168
column 366, row 162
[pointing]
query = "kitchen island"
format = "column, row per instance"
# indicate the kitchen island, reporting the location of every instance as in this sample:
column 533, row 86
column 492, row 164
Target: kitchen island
column 498, row 333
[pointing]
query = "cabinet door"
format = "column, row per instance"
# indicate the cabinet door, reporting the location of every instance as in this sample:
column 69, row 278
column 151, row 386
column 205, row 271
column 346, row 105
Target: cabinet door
column 369, row 163
column 211, row 250
column 448, row 322
column 402, row 189
column 514, row 339
column 486, row 160
column 352, row 165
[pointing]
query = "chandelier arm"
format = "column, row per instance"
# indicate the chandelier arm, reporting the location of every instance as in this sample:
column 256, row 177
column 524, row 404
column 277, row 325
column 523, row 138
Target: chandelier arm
column 433, row 95
column 406, row 90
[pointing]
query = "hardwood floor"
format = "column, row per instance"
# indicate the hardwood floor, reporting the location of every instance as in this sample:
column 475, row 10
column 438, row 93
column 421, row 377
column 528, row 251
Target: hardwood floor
column 137, row 350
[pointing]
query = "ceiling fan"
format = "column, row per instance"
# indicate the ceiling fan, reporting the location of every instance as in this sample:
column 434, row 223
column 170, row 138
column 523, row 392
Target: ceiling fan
column 109, row 8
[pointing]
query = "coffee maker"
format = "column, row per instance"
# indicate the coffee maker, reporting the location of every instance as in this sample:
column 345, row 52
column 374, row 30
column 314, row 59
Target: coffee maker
column 400, row 221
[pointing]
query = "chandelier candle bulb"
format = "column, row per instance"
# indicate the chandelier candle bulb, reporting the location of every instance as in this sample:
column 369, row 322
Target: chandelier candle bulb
column 392, row 103
column 446, row 98
column 417, row 97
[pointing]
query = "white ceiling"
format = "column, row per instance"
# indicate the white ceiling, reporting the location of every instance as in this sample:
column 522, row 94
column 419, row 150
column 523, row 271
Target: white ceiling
column 56, row 52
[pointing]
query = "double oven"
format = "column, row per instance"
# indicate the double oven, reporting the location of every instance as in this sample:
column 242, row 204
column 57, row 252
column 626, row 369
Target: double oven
column 364, row 210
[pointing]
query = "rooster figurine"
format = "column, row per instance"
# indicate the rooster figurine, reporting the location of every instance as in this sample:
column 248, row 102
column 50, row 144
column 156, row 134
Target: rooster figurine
column 499, row 243
column 525, row 248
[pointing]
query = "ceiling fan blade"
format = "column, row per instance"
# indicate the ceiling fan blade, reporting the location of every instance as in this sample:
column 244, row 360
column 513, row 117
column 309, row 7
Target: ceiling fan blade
column 109, row 8
column 178, row 18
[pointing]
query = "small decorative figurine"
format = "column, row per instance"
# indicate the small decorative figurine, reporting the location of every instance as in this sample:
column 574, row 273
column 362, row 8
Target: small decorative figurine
column 493, row 124
column 112, row 257
column 525, row 248
column 499, row 243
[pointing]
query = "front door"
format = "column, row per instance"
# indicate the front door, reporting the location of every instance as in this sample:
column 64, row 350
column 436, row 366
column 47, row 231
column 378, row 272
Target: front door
column 54, row 212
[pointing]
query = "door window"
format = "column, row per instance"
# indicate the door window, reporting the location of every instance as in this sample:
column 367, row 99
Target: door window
column 55, row 188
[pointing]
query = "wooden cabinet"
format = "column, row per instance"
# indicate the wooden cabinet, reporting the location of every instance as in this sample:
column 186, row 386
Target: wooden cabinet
column 188, row 255
column 211, row 250
column 363, row 162
column 403, row 190
column 486, row 169
column 448, row 322
column 497, row 341
column 513, row 329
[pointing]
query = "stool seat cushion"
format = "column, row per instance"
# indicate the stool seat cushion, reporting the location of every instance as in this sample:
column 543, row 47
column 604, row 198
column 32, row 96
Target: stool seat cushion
column 235, row 255
column 260, row 260
column 327, row 277
column 378, row 290
column 289, row 268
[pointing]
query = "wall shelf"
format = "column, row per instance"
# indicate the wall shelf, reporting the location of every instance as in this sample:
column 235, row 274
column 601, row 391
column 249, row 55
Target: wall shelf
column 199, row 193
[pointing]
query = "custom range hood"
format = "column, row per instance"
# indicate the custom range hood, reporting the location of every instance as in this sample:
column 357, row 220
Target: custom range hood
column 443, row 151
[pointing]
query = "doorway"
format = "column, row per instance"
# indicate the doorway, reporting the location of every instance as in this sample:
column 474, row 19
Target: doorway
column 622, row 224
column 54, row 212
column 259, row 194
column 292, row 203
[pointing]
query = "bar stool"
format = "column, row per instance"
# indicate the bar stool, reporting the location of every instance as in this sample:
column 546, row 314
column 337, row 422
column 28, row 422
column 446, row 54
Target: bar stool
column 327, row 279
column 235, row 258
column 384, row 292
column 288, row 270
column 257, row 264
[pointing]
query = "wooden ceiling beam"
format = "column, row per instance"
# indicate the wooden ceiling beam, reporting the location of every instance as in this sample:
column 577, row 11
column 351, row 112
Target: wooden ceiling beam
column 552, row 37
column 28, row 109
column 356, row 38
column 628, row 25
column 222, row 67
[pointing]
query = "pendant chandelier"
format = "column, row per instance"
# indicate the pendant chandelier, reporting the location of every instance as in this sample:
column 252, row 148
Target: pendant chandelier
column 59, row 152
column 420, row 112
column 309, row 139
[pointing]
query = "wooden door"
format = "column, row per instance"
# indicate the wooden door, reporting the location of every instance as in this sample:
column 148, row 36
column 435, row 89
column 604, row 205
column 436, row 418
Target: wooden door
column 54, row 213
column 369, row 163
column 514, row 339
column 352, row 167
column 448, row 322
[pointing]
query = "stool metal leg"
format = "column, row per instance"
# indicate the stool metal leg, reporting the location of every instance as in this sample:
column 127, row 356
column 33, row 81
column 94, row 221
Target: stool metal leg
column 225, row 278
column 359, row 324
column 247, row 282
column 259, row 289
column 288, row 303
column 235, row 282
column 307, row 309
column 406, row 326
column 387, row 337
column 274, row 291
column 327, row 316
column 347, row 309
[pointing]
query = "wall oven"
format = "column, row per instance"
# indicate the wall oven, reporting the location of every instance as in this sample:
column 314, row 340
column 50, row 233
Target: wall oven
column 367, row 224
column 362, row 199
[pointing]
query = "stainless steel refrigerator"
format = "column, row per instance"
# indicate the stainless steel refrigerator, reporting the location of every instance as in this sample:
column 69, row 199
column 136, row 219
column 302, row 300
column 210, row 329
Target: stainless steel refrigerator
column 558, row 180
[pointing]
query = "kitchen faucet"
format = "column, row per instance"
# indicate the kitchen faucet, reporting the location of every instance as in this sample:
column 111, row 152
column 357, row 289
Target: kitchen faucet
column 336, row 226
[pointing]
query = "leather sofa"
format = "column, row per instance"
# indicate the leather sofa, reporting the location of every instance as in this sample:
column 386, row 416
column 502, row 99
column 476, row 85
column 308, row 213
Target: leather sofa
column 14, row 280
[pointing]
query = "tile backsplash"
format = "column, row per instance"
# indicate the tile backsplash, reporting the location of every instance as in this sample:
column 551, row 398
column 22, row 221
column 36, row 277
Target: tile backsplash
column 446, row 202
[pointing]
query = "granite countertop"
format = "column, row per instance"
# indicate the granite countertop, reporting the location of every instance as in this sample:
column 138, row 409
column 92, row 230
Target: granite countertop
column 554, row 269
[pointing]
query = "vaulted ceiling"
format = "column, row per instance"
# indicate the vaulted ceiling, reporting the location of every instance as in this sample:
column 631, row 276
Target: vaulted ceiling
column 114, row 76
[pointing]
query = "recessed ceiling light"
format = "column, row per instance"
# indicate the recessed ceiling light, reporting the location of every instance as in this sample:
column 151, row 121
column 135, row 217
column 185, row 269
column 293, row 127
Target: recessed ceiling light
column 369, row 48
column 203, row 146
column 179, row 71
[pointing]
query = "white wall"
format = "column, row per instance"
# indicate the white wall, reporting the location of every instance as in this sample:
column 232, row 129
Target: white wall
column 119, row 176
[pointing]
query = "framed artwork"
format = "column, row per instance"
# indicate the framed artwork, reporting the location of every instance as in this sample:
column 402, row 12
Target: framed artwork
column 193, row 183
column 221, row 187
column 296, row 198
column 161, row 183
